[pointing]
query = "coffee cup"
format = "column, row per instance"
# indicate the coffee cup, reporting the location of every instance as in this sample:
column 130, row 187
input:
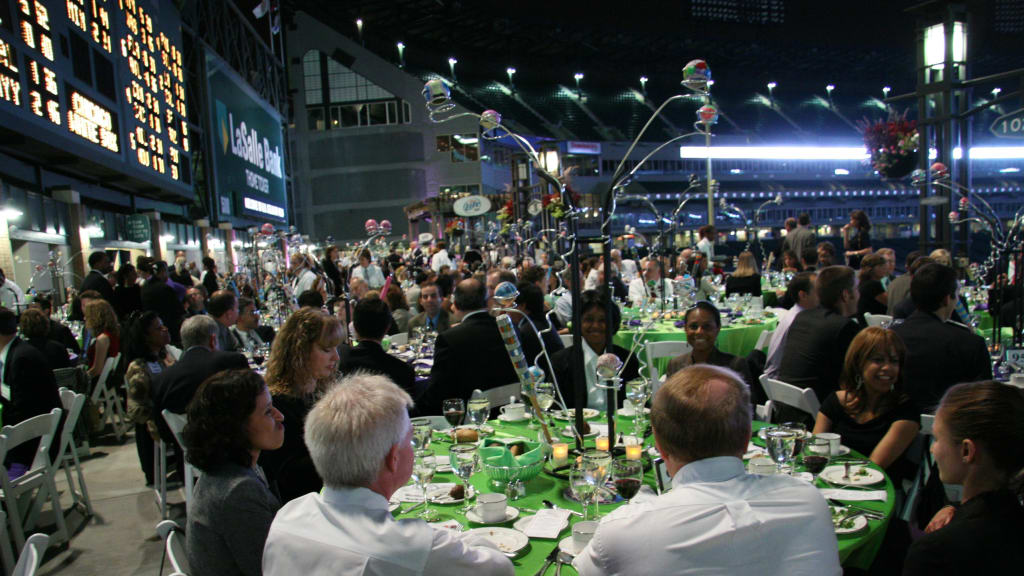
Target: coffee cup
column 514, row 411
column 833, row 442
column 582, row 532
column 491, row 507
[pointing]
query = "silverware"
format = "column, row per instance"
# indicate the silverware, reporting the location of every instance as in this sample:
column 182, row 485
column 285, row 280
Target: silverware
column 413, row 507
column 846, row 470
column 550, row 504
column 867, row 512
column 547, row 562
column 563, row 558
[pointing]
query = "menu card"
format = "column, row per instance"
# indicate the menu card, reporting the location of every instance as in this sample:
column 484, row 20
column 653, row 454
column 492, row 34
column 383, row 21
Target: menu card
column 547, row 523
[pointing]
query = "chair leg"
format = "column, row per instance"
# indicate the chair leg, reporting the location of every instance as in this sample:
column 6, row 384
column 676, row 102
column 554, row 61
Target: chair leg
column 6, row 553
column 81, row 478
column 14, row 521
column 189, row 479
column 61, row 535
column 160, row 476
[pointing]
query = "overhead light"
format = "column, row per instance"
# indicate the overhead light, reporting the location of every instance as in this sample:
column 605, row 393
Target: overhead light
column 10, row 213
column 510, row 71
column 401, row 45
column 643, row 79
column 92, row 231
column 830, row 88
column 167, row 237
column 841, row 172
column 774, row 152
column 996, row 91
column 772, row 85
column 578, row 76
column 886, row 90
column 735, row 171
column 935, row 44
column 1010, row 170
column 452, row 61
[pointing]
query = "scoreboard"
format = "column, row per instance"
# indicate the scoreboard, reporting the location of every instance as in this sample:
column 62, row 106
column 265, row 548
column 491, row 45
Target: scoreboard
column 100, row 80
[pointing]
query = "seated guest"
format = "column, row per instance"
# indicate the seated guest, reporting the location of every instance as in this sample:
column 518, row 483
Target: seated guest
column 873, row 297
column 223, row 307
column 359, row 438
column 358, row 288
column 195, row 300
column 872, row 412
column 746, row 279
column 310, row 299
column 703, row 323
column 149, row 352
column 432, row 316
column 399, row 309
column 717, row 519
column 58, row 332
column 530, row 304
column 493, row 278
column 101, row 321
column 790, row 262
column 180, row 274
column 978, row 439
column 905, row 307
column 230, row 421
column 802, row 293
column 651, row 286
column 29, row 387
column 127, row 293
column 940, row 353
column 303, row 360
column 371, row 319
column 593, row 325
column 245, row 328
column 899, row 287
column 368, row 272
column 35, row 328
column 809, row 259
column 817, row 340
column 826, row 254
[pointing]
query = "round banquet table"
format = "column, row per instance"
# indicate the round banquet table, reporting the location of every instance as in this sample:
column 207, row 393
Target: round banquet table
column 855, row 550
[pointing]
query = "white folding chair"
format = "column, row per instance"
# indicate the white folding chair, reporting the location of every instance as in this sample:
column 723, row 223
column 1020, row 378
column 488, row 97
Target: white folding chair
column 76, row 379
column 803, row 399
column 927, row 423
column 666, row 349
column 566, row 339
column 400, row 339
column 160, row 475
column 103, row 394
column 68, row 458
column 174, row 546
column 6, row 553
column 37, row 483
column 32, row 555
column 877, row 319
column 763, row 412
column 763, row 340
column 176, row 422
column 501, row 395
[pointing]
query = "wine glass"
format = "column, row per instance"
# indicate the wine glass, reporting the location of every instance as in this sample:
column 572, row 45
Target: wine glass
column 478, row 410
column 781, row 442
column 583, row 486
column 423, row 469
column 545, row 397
column 463, row 460
column 421, row 432
column 800, row 429
column 816, row 455
column 637, row 393
column 596, row 467
column 628, row 476
column 453, row 409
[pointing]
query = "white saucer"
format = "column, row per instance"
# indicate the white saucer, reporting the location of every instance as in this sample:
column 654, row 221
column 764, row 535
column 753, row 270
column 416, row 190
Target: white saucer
column 392, row 506
column 568, row 546
column 511, row 513
column 505, row 418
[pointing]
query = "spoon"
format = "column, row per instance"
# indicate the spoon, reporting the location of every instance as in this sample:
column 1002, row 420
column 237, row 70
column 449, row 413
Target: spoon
column 563, row 558
column 551, row 505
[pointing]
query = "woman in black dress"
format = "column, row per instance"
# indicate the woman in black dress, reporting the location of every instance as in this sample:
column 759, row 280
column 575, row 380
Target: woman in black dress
column 857, row 238
column 873, row 297
column 746, row 279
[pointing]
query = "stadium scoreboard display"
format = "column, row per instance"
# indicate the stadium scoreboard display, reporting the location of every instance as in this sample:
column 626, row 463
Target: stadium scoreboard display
column 102, row 80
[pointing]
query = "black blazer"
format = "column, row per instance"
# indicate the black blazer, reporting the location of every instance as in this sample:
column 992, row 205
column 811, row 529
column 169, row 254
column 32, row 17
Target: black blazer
column 56, row 355
column 173, row 388
column 468, row 356
column 127, row 299
column 743, row 285
column 371, row 357
column 816, row 350
column 33, row 386
column 95, row 280
column 161, row 298
column 62, row 335
column 562, row 367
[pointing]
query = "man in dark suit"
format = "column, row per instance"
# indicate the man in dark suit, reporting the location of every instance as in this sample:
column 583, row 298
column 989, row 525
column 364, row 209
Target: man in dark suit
column 817, row 340
column 469, row 355
column 223, row 307
column 801, row 238
column 58, row 332
column 35, row 328
column 28, row 386
column 433, row 316
column 161, row 298
column 96, row 279
column 371, row 319
column 940, row 353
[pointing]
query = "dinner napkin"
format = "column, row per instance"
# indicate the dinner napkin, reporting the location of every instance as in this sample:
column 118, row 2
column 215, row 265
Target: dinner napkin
column 853, row 495
column 496, row 453
column 546, row 523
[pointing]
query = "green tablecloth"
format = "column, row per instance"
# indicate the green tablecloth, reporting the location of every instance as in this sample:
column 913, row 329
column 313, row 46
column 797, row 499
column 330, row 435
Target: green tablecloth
column 986, row 325
column 854, row 550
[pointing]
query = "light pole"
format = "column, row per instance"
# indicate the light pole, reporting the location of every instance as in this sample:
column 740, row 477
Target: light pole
column 451, row 66
column 511, row 72
column 578, row 76
column 643, row 84
column 401, row 54
column 359, row 30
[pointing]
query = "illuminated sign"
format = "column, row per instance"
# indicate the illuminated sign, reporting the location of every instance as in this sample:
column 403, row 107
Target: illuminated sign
column 93, row 122
column 263, row 208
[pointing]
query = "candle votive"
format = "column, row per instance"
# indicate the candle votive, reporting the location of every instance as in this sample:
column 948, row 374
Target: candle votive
column 560, row 453
column 634, row 451
column 601, row 443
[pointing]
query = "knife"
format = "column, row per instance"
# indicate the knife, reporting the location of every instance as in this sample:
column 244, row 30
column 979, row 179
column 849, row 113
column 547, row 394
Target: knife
column 547, row 562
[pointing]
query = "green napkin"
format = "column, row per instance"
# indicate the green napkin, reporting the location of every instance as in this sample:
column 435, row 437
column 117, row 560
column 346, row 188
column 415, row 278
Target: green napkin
column 495, row 452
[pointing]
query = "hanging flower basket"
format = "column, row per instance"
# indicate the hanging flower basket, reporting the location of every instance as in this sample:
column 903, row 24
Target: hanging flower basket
column 892, row 144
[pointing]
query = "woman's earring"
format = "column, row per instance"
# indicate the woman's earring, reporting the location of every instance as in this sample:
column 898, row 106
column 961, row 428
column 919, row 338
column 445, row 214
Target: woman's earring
column 860, row 382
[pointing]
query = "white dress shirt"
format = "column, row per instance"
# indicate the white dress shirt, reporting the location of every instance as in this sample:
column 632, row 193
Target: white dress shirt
column 372, row 275
column 597, row 398
column 5, row 388
column 774, row 361
column 563, row 306
column 249, row 339
column 717, row 519
column 628, row 271
column 639, row 291
column 440, row 259
column 349, row 532
column 708, row 248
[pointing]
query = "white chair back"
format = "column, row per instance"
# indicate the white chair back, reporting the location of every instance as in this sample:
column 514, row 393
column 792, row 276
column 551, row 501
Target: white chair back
column 21, row 494
column 6, row 553
column 927, row 424
column 764, row 339
column 174, row 546
column 32, row 555
column 877, row 319
column 566, row 339
column 780, row 392
column 667, row 349
column 68, row 458
column 763, row 412
column 501, row 395
column 176, row 422
column 103, row 394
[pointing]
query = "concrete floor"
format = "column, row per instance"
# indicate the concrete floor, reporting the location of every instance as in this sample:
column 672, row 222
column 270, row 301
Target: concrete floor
column 120, row 537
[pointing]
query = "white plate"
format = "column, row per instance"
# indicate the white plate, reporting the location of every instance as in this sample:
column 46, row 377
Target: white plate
column 859, row 475
column 394, row 505
column 507, row 540
column 442, row 463
column 523, row 523
column 859, row 522
column 568, row 433
column 588, row 413
column 505, row 418
column 628, row 412
column 450, row 524
column 568, row 546
column 436, row 493
column 511, row 513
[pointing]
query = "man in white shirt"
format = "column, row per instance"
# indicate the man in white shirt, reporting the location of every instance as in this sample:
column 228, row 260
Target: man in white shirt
column 368, row 271
column 346, row 529
column 440, row 258
column 800, row 290
column 627, row 268
column 649, row 286
column 717, row 519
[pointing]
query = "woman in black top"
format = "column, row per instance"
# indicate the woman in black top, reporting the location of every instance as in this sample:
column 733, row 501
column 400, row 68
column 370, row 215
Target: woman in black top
column 857, row 238
column 871, row 412
column 979, row 443
column 873, row 297
column 127, row 293
column 746, row 279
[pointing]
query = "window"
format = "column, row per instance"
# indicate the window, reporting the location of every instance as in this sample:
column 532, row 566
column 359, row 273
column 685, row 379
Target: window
column 444, row 143
column 312, row 79
column 465, row 148
column 316, row 119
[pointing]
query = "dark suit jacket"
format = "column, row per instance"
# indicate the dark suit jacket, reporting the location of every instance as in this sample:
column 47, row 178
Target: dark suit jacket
column 62, row 335
column 939, row 355
column 161, row 298
column 800, row 238
column 371, row 357
column 816, row 349
column 56, row 355
column 743, row 285
column 562, row 367
column 420, row 320
column 127, row 299
column 95, row 280
column 173, row 388
column 469, row 356
column 33, row 387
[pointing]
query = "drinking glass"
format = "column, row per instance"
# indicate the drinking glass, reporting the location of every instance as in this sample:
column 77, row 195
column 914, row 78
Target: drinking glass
column 628, row 476
column 800, row 429
column 454, row 409
column 816, row 455
column 545, row 397
column 479, row 409
column 421, row 432
column 596, row 468
column 423, row 469
column 582, row 482
column 463, row 460
column 781, row 443
column 637, row 392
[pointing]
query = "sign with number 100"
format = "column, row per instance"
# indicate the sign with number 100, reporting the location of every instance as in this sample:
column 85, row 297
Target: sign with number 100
column 1009, row 125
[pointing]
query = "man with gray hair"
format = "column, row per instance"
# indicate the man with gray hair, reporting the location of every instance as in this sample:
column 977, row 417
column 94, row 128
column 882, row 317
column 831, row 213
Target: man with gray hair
column 359, row 438
column 717, row 518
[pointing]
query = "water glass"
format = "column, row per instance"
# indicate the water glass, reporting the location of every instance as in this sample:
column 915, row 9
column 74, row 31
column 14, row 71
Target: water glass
column 781, row 443
column 596, row 469
column 463, row 460
column 423, row 468
column 545, row 397
column 421, row 433
column 637, row 392
column 479, row 409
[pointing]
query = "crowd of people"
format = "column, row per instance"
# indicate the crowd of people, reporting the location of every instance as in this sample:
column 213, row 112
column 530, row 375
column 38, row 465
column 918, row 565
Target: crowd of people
column 301, row 451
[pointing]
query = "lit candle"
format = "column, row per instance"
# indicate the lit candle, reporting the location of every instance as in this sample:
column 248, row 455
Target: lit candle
column 634, row 451
column 602, row 443
column 560, row 453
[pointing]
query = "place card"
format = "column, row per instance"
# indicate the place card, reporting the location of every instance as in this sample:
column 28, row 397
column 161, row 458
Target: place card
column 853, row 495
column 547, row 523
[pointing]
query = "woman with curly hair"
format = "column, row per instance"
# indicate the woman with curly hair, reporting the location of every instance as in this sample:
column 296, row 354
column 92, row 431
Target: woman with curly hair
column 101, row 321
column 231, row 420
column 303, row 360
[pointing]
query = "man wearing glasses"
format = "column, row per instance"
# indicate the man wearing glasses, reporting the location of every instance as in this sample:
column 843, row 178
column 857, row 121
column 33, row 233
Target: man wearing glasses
column 245, row 326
